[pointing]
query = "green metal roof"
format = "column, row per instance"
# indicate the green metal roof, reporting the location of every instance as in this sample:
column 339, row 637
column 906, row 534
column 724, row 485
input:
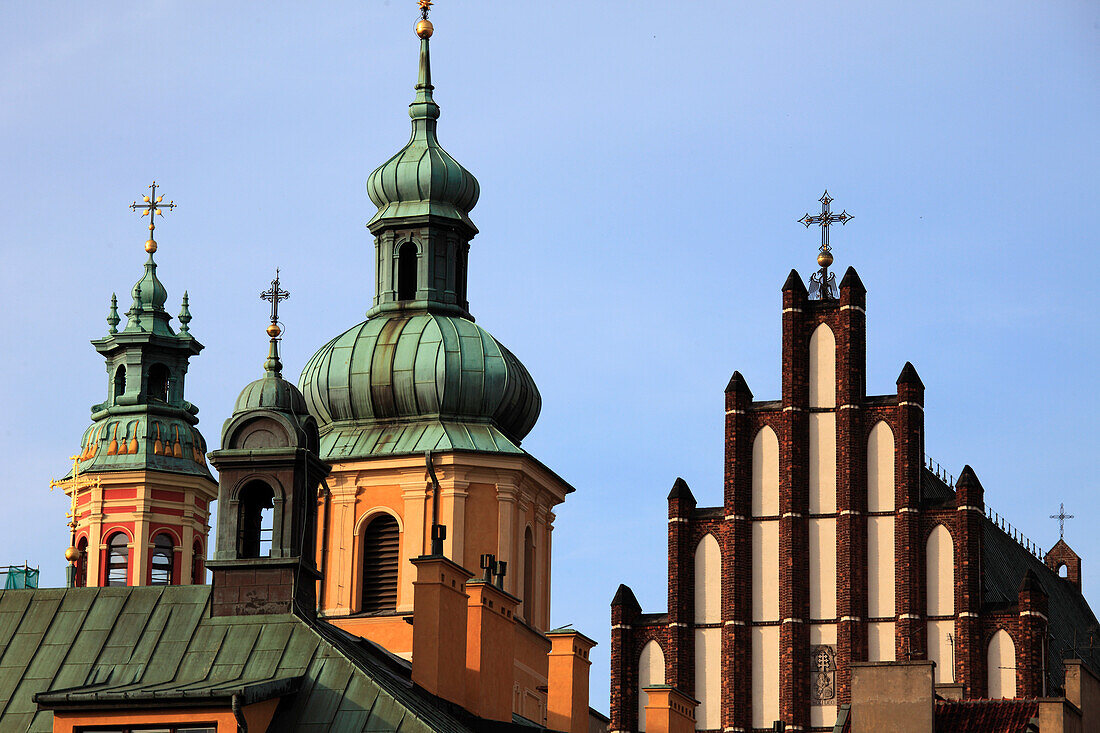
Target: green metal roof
column 424, row 381
column 158, row 645
column 422, row 179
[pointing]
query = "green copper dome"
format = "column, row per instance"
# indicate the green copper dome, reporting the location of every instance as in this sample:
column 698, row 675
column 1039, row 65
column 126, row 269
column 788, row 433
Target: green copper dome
column 271, row 392
column 422, row 179
column 418, row 374
column 403, row 368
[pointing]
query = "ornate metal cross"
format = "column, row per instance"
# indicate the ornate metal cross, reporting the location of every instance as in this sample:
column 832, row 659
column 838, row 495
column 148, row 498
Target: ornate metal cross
column 822, row 283
column 74, row 483
column 275, row 295
column 1061, row 516
column 425, row 7
column 152, row 206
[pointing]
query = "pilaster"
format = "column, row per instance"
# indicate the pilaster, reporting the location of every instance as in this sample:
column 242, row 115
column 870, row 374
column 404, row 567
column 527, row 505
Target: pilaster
column 912, row 632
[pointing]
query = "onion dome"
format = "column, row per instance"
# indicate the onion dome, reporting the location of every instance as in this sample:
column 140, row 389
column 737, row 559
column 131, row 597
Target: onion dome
column 408, row 383
column 418, row 374
column 422, row 179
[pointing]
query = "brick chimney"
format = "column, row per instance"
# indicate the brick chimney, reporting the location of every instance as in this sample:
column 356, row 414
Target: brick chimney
column 567, row 698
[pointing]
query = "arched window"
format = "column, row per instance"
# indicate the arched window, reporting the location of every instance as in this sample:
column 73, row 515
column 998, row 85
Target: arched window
column 162, row 560
column 406, row 272
column 80, row 577
column 198, row 576
column 118, row 559
column 255, row 520
column 528, row 577
column 120, row 381
column 158, row 383
column 380, row 557
column 651, row 671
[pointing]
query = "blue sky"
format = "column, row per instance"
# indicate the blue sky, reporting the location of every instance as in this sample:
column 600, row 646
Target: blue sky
column 642, row 166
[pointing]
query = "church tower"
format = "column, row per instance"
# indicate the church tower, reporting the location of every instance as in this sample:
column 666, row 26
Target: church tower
column 421, row 416
column 268, row 473
column 140, row 487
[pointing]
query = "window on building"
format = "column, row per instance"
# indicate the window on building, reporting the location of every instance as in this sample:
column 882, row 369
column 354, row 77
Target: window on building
column 118, row 559
column 158, row 383
column 120, row 381
column 528, row 576
column 198, row 576
column 380, row 558
column 187, row 728
column 162, row 560
column 460, row 275
column 406, row 271
column 255, row 522
column 80, row 578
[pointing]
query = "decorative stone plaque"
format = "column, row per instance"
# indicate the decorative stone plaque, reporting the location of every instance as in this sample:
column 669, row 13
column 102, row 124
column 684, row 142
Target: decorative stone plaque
column 823, row 675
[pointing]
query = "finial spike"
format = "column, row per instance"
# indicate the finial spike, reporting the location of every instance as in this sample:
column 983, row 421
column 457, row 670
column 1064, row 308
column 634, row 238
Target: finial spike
column 112, row 316
column 185, row 316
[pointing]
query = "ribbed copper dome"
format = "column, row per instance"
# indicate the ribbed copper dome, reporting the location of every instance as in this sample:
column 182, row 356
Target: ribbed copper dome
column 405, row 367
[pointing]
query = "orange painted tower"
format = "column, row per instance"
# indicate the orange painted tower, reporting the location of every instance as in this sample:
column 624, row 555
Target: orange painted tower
column 140, row 487
column 421, row 413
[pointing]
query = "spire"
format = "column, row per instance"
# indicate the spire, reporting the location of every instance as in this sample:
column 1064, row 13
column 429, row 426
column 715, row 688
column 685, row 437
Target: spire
column 147, row 312
column 275, row 294
column 424, row 198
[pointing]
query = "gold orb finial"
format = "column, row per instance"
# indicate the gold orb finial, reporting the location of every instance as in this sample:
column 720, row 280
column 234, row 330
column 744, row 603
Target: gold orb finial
column 824, row 259
column 424, row 28
column 72, row 554
column 273, row 330
column 150, row 246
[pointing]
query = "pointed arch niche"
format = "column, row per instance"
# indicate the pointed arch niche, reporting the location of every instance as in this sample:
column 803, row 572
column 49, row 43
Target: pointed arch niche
column 708, row 639
column 940, row 594
column 1000, row 666
column 651, row 671
column 822, row 367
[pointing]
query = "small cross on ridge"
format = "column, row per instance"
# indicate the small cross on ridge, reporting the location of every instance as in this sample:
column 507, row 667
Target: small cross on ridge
column 1061, row 516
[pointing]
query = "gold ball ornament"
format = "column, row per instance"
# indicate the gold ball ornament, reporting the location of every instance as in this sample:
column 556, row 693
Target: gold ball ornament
column 273, row 330
column 424, row 28
column 150, row 246
column 825, row 259
column 72, row 554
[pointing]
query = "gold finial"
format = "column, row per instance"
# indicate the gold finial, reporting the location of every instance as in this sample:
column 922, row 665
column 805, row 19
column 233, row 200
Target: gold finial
column 152, row 205
column 424, row 27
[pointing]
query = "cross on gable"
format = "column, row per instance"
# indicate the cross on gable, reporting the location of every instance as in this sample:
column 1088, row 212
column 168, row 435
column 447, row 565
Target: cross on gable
column 822, row 283
column 1061, row 516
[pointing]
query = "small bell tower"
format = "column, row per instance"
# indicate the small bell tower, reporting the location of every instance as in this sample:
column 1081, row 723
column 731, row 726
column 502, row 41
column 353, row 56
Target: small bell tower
column 265, row 557
column 140, row 487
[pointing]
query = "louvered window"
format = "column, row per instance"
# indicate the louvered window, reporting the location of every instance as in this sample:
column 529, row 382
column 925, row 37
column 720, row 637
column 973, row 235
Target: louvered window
column 380, row 557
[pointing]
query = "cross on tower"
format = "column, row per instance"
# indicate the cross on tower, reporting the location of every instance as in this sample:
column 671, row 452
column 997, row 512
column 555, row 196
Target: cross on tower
column 1061, row 516
column 275, row 295
column 152, row 206
column 74, row 484
column 425, row 7
column 822, row 283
